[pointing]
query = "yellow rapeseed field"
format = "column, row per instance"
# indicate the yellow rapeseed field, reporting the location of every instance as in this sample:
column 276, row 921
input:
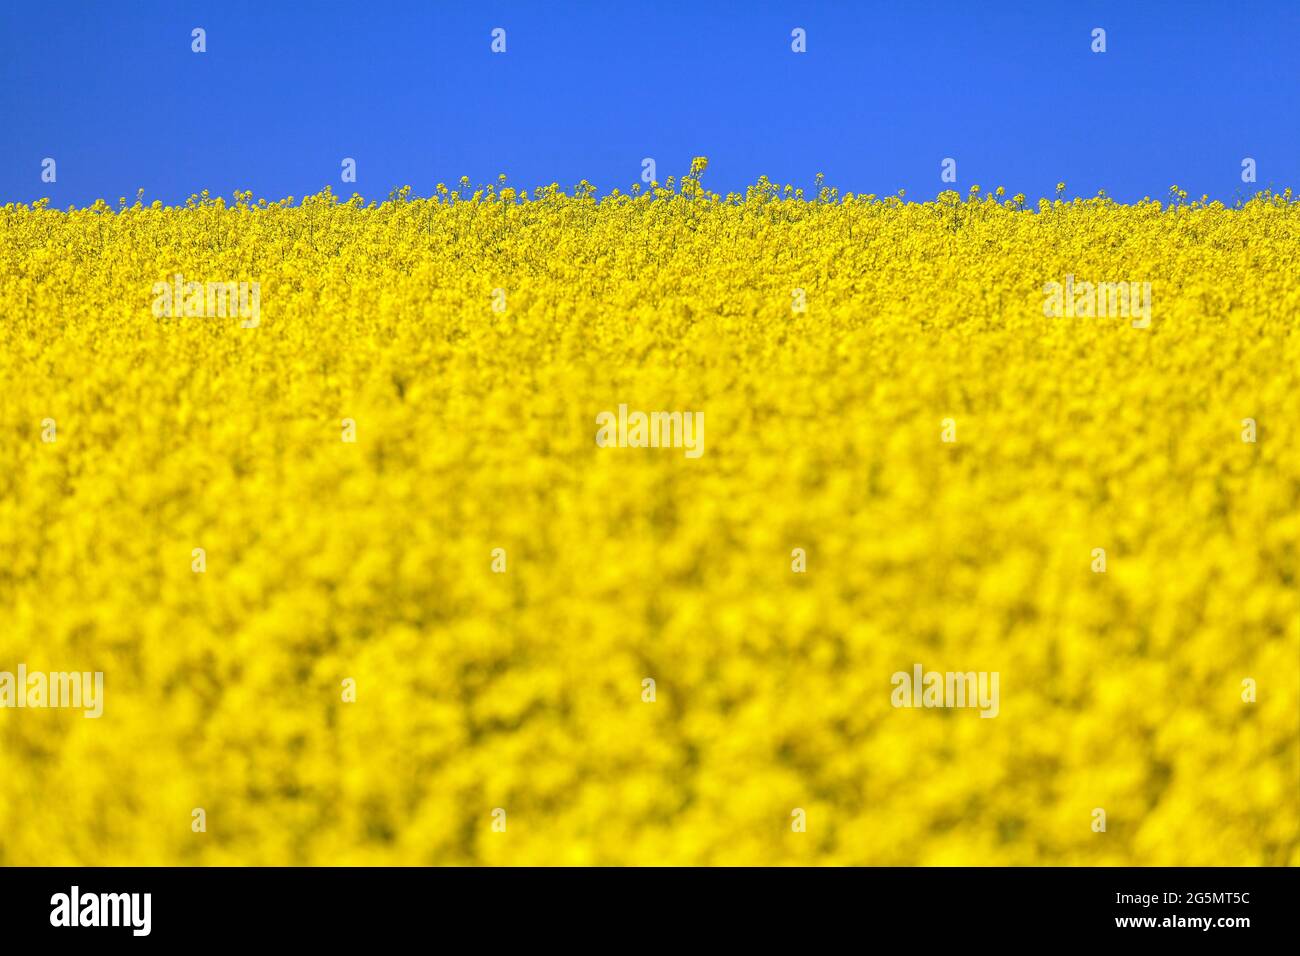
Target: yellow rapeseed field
column 369, row 583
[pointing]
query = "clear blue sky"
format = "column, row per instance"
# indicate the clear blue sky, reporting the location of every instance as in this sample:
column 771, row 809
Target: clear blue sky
column 411, row 90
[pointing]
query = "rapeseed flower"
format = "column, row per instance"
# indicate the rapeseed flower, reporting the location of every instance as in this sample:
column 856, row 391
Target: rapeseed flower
column 498, row 589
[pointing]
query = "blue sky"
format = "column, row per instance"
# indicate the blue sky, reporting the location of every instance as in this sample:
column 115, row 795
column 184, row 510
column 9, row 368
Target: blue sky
column 412, row 92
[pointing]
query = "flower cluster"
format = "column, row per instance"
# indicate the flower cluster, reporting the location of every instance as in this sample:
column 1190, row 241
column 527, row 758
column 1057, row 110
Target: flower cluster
column 358, row 575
